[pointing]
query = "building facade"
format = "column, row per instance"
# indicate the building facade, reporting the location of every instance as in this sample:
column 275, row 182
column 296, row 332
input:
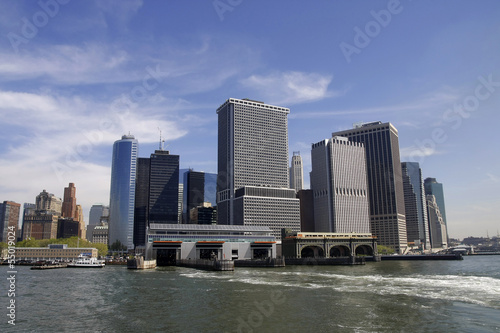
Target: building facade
column 59, row 252
column 97, row 213
column 438, row 233
column 122, row 192
column 67, row 227
column 9, row 220
column 385, row 182
column 168, row 243
column 296, row 172
column 69, row 202
column 40, row 225
column 199, row 188
column 48, row 202
column 253, row 153
column 432, row 187
column 417, row 223
column 163, row 188
column 157, row 192
column 340, row 190
column 100, row 234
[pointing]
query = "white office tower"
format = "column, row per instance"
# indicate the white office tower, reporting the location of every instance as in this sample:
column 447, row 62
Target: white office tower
column 252, row 180
column 296, row 172
column 339, row 186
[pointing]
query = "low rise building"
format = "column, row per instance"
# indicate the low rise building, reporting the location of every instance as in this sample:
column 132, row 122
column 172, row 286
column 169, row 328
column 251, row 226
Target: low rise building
column 60, row 252
column 170, row 242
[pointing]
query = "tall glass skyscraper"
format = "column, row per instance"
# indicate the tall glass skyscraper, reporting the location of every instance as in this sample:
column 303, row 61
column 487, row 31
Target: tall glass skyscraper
column 385, row 182
column 122, row 193
column 417, row 222
column 252, row 180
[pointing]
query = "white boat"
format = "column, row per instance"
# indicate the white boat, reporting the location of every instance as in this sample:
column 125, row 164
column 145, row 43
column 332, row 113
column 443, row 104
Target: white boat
column 87, row 261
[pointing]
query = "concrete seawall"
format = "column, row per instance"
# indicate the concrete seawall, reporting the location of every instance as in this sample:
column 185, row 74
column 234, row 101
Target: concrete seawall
column 210, row 265
column 140, row 263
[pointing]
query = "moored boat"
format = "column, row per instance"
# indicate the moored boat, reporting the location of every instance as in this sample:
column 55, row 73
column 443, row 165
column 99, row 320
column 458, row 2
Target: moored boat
column 85, row 261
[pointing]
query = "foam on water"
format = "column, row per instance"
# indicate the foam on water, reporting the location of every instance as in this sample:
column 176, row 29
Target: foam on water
column 483, row 291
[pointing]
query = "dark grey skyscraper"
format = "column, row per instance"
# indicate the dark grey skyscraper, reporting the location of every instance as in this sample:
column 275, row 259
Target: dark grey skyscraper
column 163, row 188
column 157, row 192
column 417, row 223
column 141, row 201
column 385, row 182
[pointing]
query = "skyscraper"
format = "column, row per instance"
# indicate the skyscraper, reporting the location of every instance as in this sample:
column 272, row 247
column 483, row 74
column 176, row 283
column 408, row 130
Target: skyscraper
column 122, row 193
column 432, row 187
column 417, row 223
column 69, row 202
column 338, row 183
column 9, row 220
column 97, row 212
column 163, row 188
column 48, row 202
column 157, row 192
column 141, row 201
column 438, row 233
column 41, row 222
column 296, row 172
column 72, row 211
column 199, row 187
column 385, row 182
column 252, row 179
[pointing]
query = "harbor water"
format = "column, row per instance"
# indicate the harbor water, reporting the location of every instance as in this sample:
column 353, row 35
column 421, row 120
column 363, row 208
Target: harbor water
column 395, row 296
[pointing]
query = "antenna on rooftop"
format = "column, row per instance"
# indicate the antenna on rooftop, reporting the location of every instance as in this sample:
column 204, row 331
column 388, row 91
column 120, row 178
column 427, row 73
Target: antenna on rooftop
column 162, row 141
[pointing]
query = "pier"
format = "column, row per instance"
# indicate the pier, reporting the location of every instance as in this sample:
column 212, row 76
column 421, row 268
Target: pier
column 140, row 263
column 457, row 256
column 268, row 262
column 209, row 265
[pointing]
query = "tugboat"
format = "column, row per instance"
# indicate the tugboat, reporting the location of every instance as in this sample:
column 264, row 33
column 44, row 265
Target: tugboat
column 85, row 261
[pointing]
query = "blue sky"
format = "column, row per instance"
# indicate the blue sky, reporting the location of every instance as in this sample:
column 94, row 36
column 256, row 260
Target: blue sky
column 76, row 75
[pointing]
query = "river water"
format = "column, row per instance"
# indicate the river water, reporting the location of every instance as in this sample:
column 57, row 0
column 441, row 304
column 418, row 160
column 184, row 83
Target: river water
column 395, row 296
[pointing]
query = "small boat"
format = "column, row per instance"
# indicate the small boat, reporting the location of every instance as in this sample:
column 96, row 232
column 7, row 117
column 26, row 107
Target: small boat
column 86, row 262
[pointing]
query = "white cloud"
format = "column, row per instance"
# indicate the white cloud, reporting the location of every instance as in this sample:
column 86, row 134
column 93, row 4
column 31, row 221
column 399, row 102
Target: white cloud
column 417, row 152
column 67, row 64
column 288, row 88
column 493, row 178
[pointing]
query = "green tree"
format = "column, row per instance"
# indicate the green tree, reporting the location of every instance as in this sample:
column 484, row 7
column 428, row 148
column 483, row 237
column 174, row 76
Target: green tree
column 117, row 246
column 382, row 249
column 30, row 242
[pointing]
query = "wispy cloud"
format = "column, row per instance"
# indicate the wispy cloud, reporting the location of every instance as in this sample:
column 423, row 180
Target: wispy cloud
column 493, row 178
column 287, row 88
column 430, row 105
column 414, row 152
column 67, row 64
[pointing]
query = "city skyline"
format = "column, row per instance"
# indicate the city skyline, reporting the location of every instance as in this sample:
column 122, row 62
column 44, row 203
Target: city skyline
column 429, row 68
